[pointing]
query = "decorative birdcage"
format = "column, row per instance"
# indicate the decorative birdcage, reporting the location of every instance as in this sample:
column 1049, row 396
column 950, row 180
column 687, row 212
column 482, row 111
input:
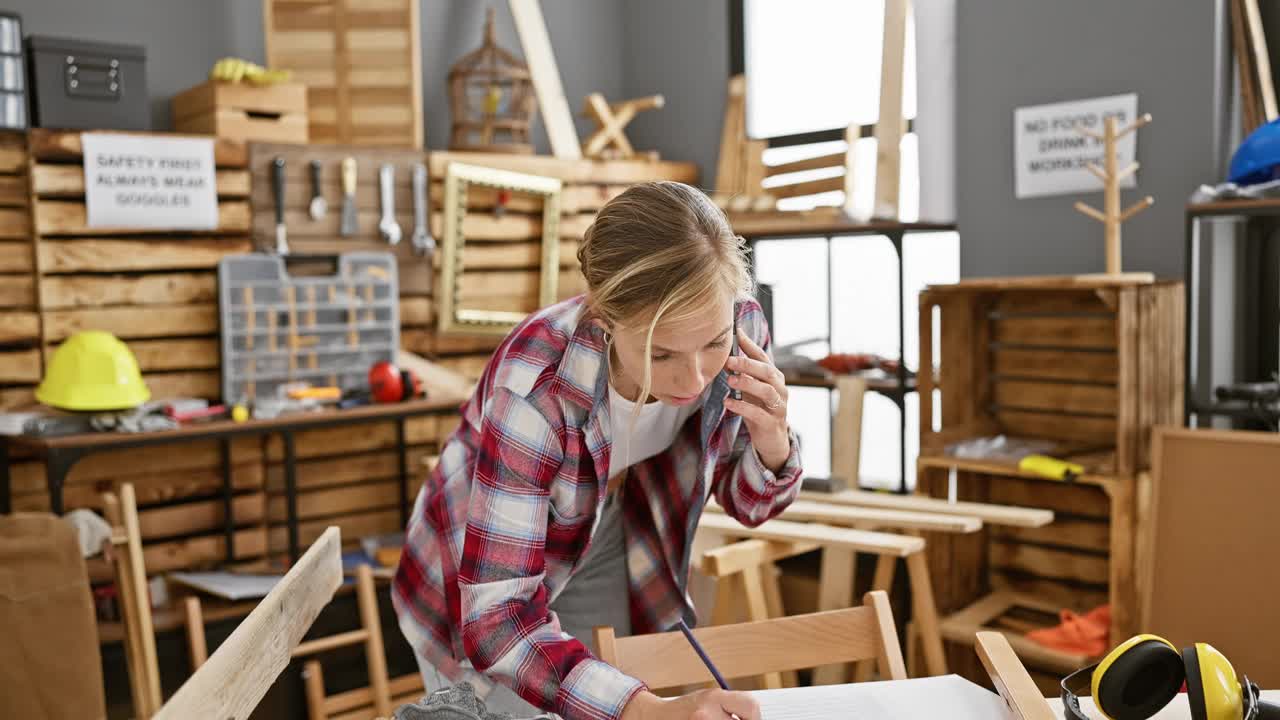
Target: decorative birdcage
column 492, row 99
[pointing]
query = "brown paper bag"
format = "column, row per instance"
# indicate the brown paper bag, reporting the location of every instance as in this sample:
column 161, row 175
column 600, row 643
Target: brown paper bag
column 50, row 665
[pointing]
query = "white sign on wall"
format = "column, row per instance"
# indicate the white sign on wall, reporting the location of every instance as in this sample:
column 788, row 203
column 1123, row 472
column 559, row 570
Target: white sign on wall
column 144, row 181
column 1050, row 157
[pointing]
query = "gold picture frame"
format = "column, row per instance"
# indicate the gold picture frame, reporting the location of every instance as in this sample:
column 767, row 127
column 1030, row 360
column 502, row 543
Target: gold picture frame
column 454, row 318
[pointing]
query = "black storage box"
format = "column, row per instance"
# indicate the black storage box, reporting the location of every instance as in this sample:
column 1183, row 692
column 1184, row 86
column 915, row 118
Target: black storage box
column 87, row 85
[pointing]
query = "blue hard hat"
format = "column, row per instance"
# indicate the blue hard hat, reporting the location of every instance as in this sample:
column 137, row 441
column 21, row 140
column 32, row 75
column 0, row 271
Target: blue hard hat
column 1257, row 158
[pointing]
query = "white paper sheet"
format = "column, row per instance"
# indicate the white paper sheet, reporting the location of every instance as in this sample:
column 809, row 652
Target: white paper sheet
column 232, row 586
column 949, row 696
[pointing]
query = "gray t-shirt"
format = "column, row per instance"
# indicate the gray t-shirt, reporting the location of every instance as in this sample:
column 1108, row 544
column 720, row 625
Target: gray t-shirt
column 599, row 593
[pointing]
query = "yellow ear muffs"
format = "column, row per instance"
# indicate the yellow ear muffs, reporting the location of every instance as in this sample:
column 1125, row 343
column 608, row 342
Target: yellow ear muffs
column 1213, row 690
column 1137, row 678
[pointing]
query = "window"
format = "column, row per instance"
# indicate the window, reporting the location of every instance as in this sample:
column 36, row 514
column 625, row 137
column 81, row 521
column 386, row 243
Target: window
column 812, row 68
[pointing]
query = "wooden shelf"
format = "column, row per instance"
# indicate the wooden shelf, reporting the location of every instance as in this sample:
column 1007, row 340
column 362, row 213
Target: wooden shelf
column 820, row 222
column 1099, row 281
column 990, row 613
column 1098, row 466
column 1244, row 206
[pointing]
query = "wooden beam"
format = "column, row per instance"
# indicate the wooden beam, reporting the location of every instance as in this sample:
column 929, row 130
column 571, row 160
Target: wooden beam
column 988, row 513
column 233, row 680
column 892, row 125
column 1011, row 679
column 732, row 558
column 866, row 541
column 556, row 116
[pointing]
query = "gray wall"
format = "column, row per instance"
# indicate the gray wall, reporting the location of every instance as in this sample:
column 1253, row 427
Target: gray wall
column 184, row 37
column 1025, row 53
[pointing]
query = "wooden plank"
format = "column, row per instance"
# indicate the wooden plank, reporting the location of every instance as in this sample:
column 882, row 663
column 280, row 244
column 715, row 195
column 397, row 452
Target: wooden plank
column 1261, row 59
column 151, row 488
column 428, row 342
column 188, row 458
column 807, row 187
column 15, row 223
column 872, row 518
column 365, row 467
column 586, row 172
column 415, row 311
column 203, row 551
column 1050, row 563
column 67, row 181
column 556, row 117
column 1074, row 428
column 137, row 254
column 1126, row 433
column 134, row 322
column 1051, row 302
column 1082, row 501
column 65, row 145
column 197, row 383
column 203, row 516
column 244, row 666
column 13, row 155
column 17, row 399
column 20, row 366
column 19, row 326
column 316, row 504
column 574, row 198
column 1067, row 332
column 1067, row 530
column 990, row 514
column 158, row 355
column 1056, row 396
column 511, row 226
column 17, row 291
column 891, row 125
column 1080, row 597
column 1097, row 367
column 13, row 191
column 1011, row 679
column 17, row 257
column 353, row 528
column 821, row 162
column 66, row 217
column 876, row 543
column 96, row 291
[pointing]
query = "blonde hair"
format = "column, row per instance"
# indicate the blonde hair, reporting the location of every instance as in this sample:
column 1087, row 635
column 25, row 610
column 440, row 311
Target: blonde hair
column 662, row 248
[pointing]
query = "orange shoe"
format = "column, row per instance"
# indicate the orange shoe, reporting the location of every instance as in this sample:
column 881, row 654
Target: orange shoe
column 1081, row 634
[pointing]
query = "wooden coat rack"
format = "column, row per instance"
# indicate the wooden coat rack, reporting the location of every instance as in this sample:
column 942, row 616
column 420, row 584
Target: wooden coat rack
column 1111, row 216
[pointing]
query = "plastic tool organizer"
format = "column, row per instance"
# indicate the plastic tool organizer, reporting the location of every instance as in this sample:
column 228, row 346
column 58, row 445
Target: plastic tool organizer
column 325, row 330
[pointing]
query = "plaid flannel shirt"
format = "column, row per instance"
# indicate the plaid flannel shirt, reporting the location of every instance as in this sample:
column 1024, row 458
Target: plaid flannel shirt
column 506, row 516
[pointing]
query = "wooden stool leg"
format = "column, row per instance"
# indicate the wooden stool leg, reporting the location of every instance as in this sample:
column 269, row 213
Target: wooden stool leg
column 835, row 592
column 886, row 565
column 313, row 685
column 913, row 650
column 375, row 655
column 197, row 649
column 773, row 599
column 926, row 614
column 758, row 609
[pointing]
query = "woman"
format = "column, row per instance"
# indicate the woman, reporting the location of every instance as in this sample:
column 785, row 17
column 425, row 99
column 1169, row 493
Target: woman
column 569, row 496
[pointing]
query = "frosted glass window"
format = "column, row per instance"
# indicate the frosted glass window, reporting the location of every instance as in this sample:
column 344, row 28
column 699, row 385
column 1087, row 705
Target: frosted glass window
column 815, row 65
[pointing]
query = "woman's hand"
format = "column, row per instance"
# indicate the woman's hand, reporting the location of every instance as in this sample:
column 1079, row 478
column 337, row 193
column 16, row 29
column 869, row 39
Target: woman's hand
column 763, row 406
column 701, row 705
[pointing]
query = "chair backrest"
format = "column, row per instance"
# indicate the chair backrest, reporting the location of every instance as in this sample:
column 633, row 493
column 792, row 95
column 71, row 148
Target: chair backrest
column 666, row 660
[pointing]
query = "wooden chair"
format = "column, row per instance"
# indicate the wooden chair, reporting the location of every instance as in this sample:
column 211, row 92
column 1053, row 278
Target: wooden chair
column 134, row 601
column 381, row 696
column 666, row 660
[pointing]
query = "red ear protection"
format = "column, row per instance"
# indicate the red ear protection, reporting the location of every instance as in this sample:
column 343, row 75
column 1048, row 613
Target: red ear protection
column 390, row 384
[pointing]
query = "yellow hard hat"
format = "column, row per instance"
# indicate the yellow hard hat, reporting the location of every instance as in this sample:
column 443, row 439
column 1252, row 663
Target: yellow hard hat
column 93, row 370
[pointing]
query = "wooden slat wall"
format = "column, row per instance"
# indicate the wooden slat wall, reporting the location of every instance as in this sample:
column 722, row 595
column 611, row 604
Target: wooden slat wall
column 155, row 289
column 20, row 366
column 361, row 62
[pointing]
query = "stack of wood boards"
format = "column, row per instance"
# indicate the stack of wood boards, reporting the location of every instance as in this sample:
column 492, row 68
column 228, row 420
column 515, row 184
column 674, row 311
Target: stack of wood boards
column 154, row 289
column 19, row 321
column 361, row 63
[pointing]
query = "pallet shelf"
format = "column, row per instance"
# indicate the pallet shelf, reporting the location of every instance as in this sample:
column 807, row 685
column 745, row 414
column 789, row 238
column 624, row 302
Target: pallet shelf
column 20, row 367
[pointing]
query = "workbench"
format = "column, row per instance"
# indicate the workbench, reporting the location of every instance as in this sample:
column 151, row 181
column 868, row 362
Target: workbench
column 61, row 453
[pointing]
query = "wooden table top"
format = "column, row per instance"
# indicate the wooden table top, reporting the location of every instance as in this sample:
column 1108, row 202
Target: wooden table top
column 294, row 421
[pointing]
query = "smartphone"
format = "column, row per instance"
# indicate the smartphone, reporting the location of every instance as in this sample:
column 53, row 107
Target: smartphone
column 734, row 350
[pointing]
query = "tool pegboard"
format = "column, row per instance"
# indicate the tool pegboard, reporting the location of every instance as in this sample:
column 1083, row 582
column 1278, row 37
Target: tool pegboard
column 278, row 328
column 323, row 236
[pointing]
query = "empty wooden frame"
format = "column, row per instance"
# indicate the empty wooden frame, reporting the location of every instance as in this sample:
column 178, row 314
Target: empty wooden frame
column 459, row 177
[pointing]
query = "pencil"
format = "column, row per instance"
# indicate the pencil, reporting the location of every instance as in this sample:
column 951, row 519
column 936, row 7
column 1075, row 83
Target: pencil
column 703, row 654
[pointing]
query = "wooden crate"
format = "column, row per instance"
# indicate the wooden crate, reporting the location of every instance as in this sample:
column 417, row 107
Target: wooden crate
column 20, row 362
column 240, row 111
column 361, row 63
column 1090, row 363
column 155, row 289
